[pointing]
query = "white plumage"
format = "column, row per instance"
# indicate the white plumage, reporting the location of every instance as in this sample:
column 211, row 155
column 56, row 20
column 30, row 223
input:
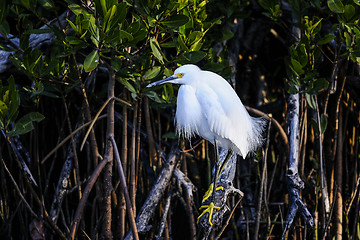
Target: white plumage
column 208, row 106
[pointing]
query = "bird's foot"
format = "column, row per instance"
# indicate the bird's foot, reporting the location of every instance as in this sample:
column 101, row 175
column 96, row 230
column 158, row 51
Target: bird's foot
column 209, row 209
column 210, row 191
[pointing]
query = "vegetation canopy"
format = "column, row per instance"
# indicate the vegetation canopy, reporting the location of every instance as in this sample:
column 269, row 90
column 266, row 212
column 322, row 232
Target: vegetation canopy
column 88, row 152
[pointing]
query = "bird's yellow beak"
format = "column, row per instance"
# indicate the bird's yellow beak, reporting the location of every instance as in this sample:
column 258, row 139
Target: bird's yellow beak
column 166, row 80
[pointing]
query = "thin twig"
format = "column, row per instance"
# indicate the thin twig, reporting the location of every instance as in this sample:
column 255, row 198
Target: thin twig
column 132, row 185
column 18, row 190
column 68, row 138
column 125, row 190
column 93, row 122
column 228, row 219
column 82, row 202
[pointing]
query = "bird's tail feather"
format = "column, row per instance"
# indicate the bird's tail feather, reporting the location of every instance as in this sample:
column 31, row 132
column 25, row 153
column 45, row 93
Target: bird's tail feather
column 259, row 126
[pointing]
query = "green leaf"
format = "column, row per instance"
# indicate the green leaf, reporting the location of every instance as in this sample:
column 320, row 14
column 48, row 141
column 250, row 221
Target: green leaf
column 14, row 100
column 125, row 35
column 155, row 47
column 3, row 109
column 31, row 59
column 348, row 39
column 267, row 4
column 227, row 34
column 182, row 44
column 4, row 9
column 94, row 30
column 297, row 66
column 195, row 56
column 77, row 10
column 5, row 29
column 326, row 39
column 315, row 126
column 91, row 61
column 128, row 85
column 176, row 21
column 20, row 129
column 119, row 16
column 103, row 7
column 320, row 84
column 310, row 100
column 153, row 96
column 72, row 25
column 31, row 117
column 191, row 57
column 47, row 4
column 323, row 123
column 25, row 124
column 168, row 92
column 152, row 73
column 349, row 11
column 108, row 18
column 25, row 3
column 39, row 88
column 336, row 6
column 116, row 63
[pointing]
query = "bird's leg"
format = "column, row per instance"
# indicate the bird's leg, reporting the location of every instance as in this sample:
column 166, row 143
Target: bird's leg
column 228, row 155
column 212, row 189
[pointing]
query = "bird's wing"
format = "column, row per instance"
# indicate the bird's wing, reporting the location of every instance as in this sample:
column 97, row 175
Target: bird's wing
column 212, row 109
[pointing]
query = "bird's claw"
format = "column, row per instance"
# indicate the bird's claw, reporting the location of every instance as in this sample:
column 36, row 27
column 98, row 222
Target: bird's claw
column 209, row 209
column 210, row 191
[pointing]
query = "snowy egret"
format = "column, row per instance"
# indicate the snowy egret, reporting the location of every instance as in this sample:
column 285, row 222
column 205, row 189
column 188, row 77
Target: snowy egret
column 208, row 106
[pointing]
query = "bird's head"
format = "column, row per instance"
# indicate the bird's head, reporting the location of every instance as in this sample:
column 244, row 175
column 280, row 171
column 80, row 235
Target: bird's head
column 182, row 75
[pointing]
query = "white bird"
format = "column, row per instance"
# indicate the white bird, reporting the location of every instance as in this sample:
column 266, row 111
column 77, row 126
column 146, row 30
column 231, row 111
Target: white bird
column 208, row 106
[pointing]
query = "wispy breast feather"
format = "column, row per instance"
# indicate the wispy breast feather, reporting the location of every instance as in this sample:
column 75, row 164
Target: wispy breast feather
column 188, row 112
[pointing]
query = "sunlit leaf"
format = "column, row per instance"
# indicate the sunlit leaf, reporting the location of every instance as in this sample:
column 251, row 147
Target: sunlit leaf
column 91, row 61
column 108, row 18
column 3, row 109
column 103, row 7
column 155, row 47
column 47, row 4
column 310, row 100
column 152, row 73
column 72, row 25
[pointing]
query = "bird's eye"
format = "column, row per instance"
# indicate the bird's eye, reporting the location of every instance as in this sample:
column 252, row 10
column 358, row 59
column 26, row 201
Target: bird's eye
column 179, row 75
